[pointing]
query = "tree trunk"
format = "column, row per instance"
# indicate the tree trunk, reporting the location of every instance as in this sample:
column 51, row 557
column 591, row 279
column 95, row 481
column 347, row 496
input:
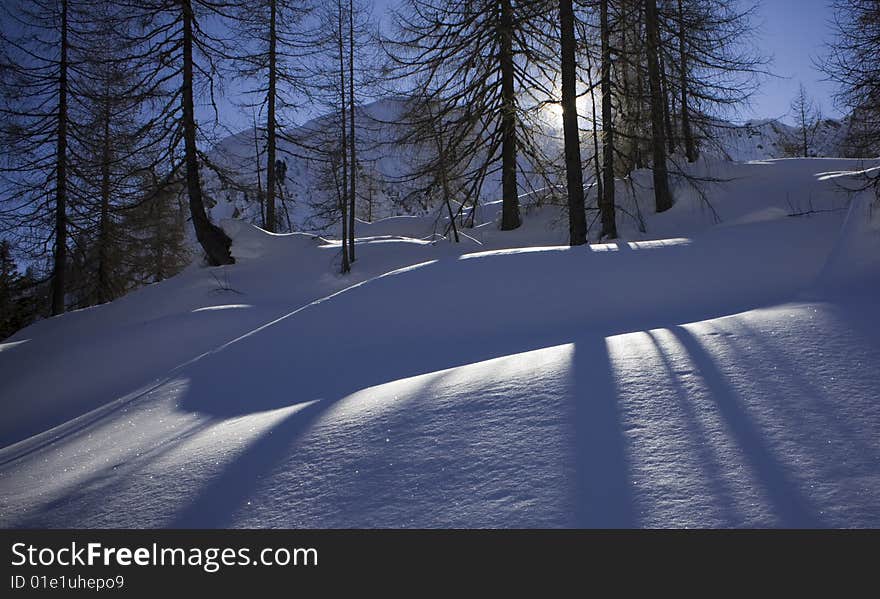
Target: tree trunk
column 58, row 269
column 510, row 218
column 596, row 164
column 351, row 133
column 270, row 121
column 667, row 117
column 103, row 294
column 158, row 203
column 606, row 202
column 260, row 197
column 626, row 102
column 211, row 237
column 577, row 221
column 662, row 197
column 804, row 124
column 346, row 264
column 437, row 136
column 686, row 133
column 636, row 123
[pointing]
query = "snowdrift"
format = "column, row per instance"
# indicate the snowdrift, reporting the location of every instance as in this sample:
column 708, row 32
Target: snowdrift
column 716, row 375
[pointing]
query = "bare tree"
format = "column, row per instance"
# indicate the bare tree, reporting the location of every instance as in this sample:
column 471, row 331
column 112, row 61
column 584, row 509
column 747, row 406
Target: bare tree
column 807, row 118
column 477, row 62
column 352, row 135
column 852, row 63
column 710, row 45
column 683, row 74
column 181, row 61
column 275, row 39
column 577, row 222
column 212, row 238
column 606, row 203
column 40, row 40
column 662, row 196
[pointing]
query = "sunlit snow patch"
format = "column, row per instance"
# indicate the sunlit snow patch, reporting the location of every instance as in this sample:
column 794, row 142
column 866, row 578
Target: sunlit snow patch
column 11, row 344
column 223, row 307
column 640, row 245
column 837, row 174
column 511, row 251
column 461, row 382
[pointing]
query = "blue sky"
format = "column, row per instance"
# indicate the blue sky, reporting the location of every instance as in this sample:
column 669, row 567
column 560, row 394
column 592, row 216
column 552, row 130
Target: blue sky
column 794, row 33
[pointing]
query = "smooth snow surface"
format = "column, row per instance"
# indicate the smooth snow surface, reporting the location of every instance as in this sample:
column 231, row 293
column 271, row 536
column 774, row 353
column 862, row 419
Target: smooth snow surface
column 699, row 374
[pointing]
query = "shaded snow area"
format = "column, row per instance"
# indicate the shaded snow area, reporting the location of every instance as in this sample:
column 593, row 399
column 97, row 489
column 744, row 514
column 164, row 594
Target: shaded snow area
column 698, row 374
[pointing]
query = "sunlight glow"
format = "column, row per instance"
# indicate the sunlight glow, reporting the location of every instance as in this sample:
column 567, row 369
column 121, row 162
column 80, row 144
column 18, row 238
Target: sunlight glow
column 553, row 111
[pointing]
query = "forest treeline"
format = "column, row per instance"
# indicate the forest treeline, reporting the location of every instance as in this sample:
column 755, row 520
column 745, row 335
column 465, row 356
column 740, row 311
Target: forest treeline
column 110, row 109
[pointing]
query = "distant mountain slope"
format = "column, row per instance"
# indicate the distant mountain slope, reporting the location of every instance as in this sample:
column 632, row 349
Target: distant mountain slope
column 770, row 138
column 385, row 164
column 388, row 184
column 308, row 182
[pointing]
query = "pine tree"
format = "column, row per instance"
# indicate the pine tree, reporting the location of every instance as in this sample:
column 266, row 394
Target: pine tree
column 852, row 63
column 23, row 298
column 476, row 63
column 182, row 58
column 274, row 43
column 109, row 120
column 606, row 203
column 9, row 285
column 662, row 196
column 41, row 39
column 807, row 120
column 157, row 247
column 574, row 175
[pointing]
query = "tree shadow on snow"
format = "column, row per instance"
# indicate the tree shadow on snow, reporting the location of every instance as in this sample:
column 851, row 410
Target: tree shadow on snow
column 788, row 502
column 600, row 486
column 711, row 467
column 388, row 330
column 603, row 490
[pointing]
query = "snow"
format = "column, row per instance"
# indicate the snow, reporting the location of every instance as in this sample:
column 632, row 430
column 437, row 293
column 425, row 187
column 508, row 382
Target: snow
column 385, row 162
column 768, row 138
column 696, row 374
column 388, row 164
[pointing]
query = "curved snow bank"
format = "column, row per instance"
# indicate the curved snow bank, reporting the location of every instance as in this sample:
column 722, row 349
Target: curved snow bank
column 452, row 311
column 401, row 316
column 250, row 242
column 461, row 309
column 512, row 386
column 855, row 258
column 418, row 227
column 765, row 418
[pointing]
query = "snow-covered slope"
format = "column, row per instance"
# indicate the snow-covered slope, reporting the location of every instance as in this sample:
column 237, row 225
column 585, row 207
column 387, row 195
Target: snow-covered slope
column 699, row 374
column 386, row 164
column 771, row 138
